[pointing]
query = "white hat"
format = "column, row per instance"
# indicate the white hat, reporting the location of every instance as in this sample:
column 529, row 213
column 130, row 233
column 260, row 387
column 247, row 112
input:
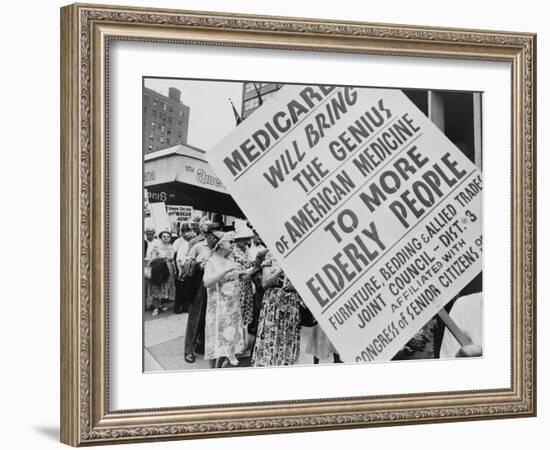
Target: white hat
column 242, row 231
column 223, row 237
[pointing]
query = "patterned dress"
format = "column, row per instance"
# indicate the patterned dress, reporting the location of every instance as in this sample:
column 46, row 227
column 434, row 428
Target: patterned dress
column 168, row 288
column 278, row 336
column 247, row 292
column 224, row 328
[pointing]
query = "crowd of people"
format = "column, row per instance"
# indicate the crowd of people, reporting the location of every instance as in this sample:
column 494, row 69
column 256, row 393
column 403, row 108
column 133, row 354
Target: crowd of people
column 243, row 308
column 240, row 304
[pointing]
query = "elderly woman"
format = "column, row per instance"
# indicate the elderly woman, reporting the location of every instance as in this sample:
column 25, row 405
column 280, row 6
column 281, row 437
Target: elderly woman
column 163, row 253
column 278, row 336
column 224, row 330
column 240, row 255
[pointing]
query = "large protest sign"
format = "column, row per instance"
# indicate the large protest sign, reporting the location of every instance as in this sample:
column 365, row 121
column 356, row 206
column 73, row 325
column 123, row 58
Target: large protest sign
column 372, row 212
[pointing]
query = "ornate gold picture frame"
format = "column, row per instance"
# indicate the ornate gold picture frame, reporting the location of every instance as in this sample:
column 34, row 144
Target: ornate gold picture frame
column 87, row 31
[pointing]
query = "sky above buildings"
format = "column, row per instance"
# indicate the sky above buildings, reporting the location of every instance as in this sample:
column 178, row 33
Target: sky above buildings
column 210, row 116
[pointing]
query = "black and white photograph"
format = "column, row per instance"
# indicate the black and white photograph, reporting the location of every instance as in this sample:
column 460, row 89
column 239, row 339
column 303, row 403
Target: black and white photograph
column 286, row 223
column 291, row 224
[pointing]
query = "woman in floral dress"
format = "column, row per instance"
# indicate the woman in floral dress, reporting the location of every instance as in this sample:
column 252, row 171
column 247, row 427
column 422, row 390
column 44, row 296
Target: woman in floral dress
column 224, row 328
column 241, row 257
column 278, row 337
column 166, row 291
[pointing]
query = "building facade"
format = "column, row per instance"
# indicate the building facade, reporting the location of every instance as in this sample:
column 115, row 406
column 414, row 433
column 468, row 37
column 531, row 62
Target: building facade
column 180, row 177
column 254, row 92
column 457, row 114
column 165, row 120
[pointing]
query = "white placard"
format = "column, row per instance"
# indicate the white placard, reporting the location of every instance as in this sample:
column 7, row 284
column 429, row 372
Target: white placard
column 375, row 214
column 159, row 216
column 181, row 213
column 178, row 215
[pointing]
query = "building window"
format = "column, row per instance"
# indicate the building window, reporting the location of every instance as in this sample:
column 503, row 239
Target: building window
column 169, row 119
column 164, row 106
column 152, row 137
column 153, row 124
column 155, row 102
column 170, row 108
column 161, row 139
column 163, row 116
column 154, row 113
column 149, row 147
column 180, row 113
column 252, row 103
column 168, row 130
column 162, row 128
column 180, row 123
column 168, row 140
column 145, row 109
column 179, row 134
column 145, row 99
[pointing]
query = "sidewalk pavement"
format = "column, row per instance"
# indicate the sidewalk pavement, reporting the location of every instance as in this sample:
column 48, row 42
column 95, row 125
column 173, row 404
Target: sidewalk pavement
column 164, row 338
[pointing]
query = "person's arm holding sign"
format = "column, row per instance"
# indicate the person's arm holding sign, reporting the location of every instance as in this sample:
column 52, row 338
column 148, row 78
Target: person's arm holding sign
column 270, row 276
column 470, row 351
column 463, row 334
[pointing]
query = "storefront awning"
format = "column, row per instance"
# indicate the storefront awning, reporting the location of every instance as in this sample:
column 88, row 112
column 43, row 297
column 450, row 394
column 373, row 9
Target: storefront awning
column 180, row 175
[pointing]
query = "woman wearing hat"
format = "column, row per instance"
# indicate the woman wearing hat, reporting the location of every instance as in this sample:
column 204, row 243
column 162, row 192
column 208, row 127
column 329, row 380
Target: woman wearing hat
column 240, row 255
column 166, row 289
column 224, row 328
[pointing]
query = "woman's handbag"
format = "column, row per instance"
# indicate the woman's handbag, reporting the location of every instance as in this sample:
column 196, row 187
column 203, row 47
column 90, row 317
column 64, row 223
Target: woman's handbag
column 159, row 271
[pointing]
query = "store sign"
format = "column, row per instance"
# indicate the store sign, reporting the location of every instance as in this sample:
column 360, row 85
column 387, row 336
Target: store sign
column 161, row 196
column 204, row 177
column 183, row 169
column 372, row 212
